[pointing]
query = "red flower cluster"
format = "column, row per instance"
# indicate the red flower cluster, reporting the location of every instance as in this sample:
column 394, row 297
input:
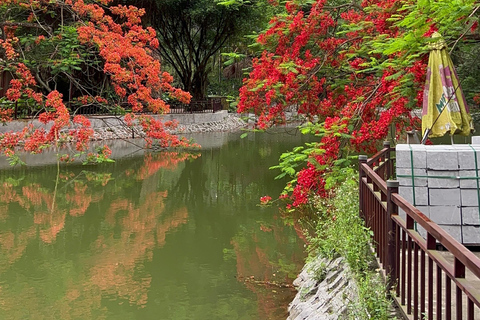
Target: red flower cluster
column 126, row 49
column 312, row 68
column 265, row 199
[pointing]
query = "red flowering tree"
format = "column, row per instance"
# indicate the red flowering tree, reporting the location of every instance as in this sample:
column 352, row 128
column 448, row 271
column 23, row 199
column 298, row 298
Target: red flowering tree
column 353, row 69
column 79, row 52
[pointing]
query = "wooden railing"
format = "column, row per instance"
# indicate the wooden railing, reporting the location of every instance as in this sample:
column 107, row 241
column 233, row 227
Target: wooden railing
column 414, row 266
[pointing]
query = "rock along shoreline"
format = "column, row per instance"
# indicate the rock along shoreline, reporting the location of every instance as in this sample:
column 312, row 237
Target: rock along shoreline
column 107, row 128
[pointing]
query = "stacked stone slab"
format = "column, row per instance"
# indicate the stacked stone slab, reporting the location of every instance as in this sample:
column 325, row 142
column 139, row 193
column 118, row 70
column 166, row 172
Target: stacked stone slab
column 442, row 182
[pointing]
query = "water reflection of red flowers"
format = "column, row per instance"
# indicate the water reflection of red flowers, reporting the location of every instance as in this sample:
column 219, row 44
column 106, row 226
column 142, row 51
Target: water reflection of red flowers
column 164, row 160
column 111, row 269
column 116, row 257
column 261, row 270
column 79, row 199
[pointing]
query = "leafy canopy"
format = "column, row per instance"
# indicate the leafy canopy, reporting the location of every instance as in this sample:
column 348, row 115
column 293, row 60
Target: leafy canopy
column 192, row 32
column 354, row 69
column 80, row 53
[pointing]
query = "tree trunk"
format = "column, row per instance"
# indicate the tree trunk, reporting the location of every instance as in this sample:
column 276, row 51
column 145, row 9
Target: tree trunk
column 199, row 85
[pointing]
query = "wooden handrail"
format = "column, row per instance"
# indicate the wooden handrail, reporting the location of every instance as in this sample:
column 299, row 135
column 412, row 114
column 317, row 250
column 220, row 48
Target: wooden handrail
column 376, row 179
column 395, row 238
column 446, row 240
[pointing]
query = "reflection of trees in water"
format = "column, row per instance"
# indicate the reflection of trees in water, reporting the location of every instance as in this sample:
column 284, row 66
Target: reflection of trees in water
column 267, row 259
column 123, row 237
column 190, row 187
column 236, row 174
column 230, row 176
column 93, row 245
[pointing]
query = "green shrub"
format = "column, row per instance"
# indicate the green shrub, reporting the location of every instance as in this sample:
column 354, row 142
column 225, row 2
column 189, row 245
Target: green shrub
column 339, row 231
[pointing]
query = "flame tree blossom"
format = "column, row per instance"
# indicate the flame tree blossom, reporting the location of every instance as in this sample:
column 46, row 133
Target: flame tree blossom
column 101, row 50
column 355, row 70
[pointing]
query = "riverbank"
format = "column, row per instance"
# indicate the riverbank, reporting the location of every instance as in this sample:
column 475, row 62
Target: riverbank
column 326, row 290
column 113, row 127
column 108, row 128
column 341, row 278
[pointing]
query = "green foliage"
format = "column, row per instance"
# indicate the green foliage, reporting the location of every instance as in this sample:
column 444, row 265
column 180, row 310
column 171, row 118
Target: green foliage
column 220, row 86
column 191, row 33
column 292, row 161
column 340, row 172
column 101, row 156
column 454, row 21
column 51, row 50
column 339, row 231
column 69, row 54
column 232, row 57
column 15, row 160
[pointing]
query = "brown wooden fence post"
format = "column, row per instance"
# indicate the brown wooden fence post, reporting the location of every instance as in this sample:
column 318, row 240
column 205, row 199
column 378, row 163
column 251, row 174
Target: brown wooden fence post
column 392, row 209
column 361, row 160
column 459, row 272
column 388, row 159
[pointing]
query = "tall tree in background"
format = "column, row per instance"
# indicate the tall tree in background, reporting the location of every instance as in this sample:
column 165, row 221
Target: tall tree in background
column 191, row 32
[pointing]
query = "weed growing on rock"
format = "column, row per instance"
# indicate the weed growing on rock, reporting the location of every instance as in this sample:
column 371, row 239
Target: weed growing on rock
column 341, row 232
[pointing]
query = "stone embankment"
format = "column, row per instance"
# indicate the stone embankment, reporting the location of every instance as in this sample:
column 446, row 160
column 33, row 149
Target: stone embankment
column 113, row 127
column 107, row 128
column 326, row 290
column 115, row 130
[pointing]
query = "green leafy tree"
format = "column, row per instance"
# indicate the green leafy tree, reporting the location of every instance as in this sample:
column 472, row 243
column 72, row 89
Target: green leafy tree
column 64, row 55
column 192, row 32
column 355, row 70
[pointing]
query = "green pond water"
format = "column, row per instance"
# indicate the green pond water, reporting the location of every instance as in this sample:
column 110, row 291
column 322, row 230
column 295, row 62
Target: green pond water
column 151, row 236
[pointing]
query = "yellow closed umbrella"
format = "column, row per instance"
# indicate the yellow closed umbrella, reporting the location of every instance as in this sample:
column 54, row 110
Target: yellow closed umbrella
column 444, row 107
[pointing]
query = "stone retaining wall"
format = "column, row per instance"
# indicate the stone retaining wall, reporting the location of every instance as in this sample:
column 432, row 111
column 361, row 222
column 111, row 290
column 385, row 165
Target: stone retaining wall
column 113, row 127
column 115, row 130
column 325, row 291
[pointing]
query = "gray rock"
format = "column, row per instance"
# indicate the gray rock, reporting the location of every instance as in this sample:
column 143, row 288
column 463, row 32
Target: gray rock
column 325, row 290
column 120, row 131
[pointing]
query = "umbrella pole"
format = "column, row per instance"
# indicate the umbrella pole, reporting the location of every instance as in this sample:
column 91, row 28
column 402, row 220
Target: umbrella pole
column 425, row 135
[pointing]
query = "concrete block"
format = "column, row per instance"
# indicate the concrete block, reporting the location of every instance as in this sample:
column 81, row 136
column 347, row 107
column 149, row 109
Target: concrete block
column 404, row 177
column 469, row 197
column 405, row 154
column 447, row 215
column 402, row 214
column 471, row 235
column 444, row 197
column 468, row 179
column 443, row 179
column 441, row 147
column 421, row 231
column 475, row 139
column 454, row 231
column 470, row 215
column 442, row 159
column 421, row 195
column 466, row 157
column 423, row 209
